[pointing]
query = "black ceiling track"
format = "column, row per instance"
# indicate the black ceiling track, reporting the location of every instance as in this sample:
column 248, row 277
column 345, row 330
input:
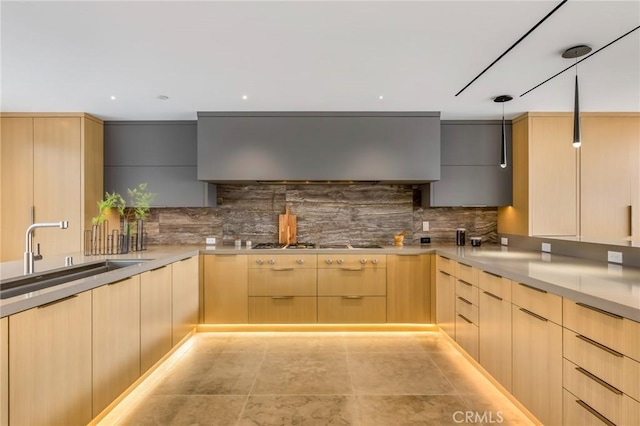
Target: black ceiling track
column 583, row 59
column 514, row 45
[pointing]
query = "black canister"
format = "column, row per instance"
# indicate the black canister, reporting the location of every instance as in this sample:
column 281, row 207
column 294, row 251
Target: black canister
column 460, row 236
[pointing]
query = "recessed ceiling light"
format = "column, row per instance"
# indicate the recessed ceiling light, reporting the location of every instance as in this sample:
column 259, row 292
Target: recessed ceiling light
column 380, row 97
column 163, row 97
column 245, row 97
column 113, row 98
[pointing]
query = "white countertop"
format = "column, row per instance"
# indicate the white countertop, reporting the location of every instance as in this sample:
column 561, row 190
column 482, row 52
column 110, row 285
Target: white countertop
column 610, row 287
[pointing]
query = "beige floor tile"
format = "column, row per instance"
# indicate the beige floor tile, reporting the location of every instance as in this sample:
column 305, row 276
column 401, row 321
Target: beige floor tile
column 378, row 373
column 460, row 373
column 302, row 342
column 303, row 373
column 230, row 373
column 382, row 342
column 187, row 410
column 397, row 410
column 267, row 410
column 434, row 342
column 492, row 405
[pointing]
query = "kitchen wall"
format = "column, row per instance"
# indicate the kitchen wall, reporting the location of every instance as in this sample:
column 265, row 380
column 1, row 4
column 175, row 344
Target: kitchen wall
column 325, row 214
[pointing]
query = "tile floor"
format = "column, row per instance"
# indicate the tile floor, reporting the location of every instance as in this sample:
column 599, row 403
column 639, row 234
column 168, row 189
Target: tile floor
column 349, row 378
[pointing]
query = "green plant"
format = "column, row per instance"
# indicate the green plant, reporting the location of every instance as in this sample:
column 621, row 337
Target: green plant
column 141, row 200
column 110, row 201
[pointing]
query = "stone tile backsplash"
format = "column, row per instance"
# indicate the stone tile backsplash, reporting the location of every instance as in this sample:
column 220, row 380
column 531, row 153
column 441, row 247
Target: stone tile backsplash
column 325, row 214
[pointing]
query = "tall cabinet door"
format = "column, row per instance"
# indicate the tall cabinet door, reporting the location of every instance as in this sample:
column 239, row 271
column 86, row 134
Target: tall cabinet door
column 226, row 292
column 57, row 182
column 185, row 289
column 537, row 365
column 116, row 340
column 50, row 363
column 408, row 288
column 609, row 159
column 155, row 316
column 16, row 184
column 4, row 371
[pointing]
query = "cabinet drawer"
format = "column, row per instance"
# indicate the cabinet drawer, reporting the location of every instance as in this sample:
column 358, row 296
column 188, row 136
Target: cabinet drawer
column 445, row 264
column 282, row 310
column 277, row 261
column 577, row 412
column 540, row 302
column 467, row 273
column 599, row 360
column 467, row 336
column 599, row 395
column 354, row 309
column 466, row 290
column 467, row 310
column 341, row 261
column 603, row 327
column 495, row 284
column 352, row 282
column 293, row 282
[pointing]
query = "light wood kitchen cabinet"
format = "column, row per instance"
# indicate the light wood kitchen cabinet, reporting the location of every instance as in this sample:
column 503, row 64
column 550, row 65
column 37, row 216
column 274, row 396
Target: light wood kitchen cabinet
column 185, row 289
column 52, row 168
column 50, row 363
column 226, row 289
column 600, row 372
column 155, row 316
column 466, row 307
column 409, row 288
column 352, row 288
column 537, row 352
column 609, row 179
column 4, row 371
column 545, row 177
column 445, row 300
column 282, row 289
column 116, row 340
column 494, row 327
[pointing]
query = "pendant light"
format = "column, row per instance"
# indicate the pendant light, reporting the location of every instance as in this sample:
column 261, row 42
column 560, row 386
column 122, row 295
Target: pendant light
column 574, row 53
column 503, row 151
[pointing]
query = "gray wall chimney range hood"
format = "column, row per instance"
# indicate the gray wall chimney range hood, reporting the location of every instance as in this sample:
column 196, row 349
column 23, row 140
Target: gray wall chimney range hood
column 319, row 147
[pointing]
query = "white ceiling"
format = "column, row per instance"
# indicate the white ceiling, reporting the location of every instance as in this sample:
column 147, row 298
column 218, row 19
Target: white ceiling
column 312, row 56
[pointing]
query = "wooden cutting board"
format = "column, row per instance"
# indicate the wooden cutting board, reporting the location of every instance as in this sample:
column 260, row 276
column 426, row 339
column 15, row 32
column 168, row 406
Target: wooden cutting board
column 287, row 227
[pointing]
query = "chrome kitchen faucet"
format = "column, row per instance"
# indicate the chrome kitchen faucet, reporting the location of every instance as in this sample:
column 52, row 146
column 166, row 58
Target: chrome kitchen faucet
column 28, row 254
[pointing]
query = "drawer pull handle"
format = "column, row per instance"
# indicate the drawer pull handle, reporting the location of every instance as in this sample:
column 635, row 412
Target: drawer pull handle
column 445, row 273
column 492, row 274
column 352, row 297
column 119, row 281
column 534, row 315
column 161, row 267
column 58, row 301
column 462, row 299
column 464, row 264
column 600, row 417
column 599, row 381
column 408, row 254
column 282, row 297
column 465, row 283
column 282, row 269
column 351, row 269
column 465, row 318
column 599, row 310
column 444, row 257
column 533, row 288
column 492, row 295
column 599, row 346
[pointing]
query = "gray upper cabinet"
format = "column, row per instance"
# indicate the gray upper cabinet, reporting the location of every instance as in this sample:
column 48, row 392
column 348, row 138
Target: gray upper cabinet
column 161, row 153
column 282, row 146
column 471, row 174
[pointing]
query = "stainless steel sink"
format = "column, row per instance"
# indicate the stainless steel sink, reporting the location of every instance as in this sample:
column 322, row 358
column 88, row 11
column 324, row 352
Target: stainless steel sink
column 27, row 283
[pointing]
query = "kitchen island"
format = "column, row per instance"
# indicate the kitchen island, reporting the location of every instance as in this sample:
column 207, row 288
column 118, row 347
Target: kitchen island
column 513, row 313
